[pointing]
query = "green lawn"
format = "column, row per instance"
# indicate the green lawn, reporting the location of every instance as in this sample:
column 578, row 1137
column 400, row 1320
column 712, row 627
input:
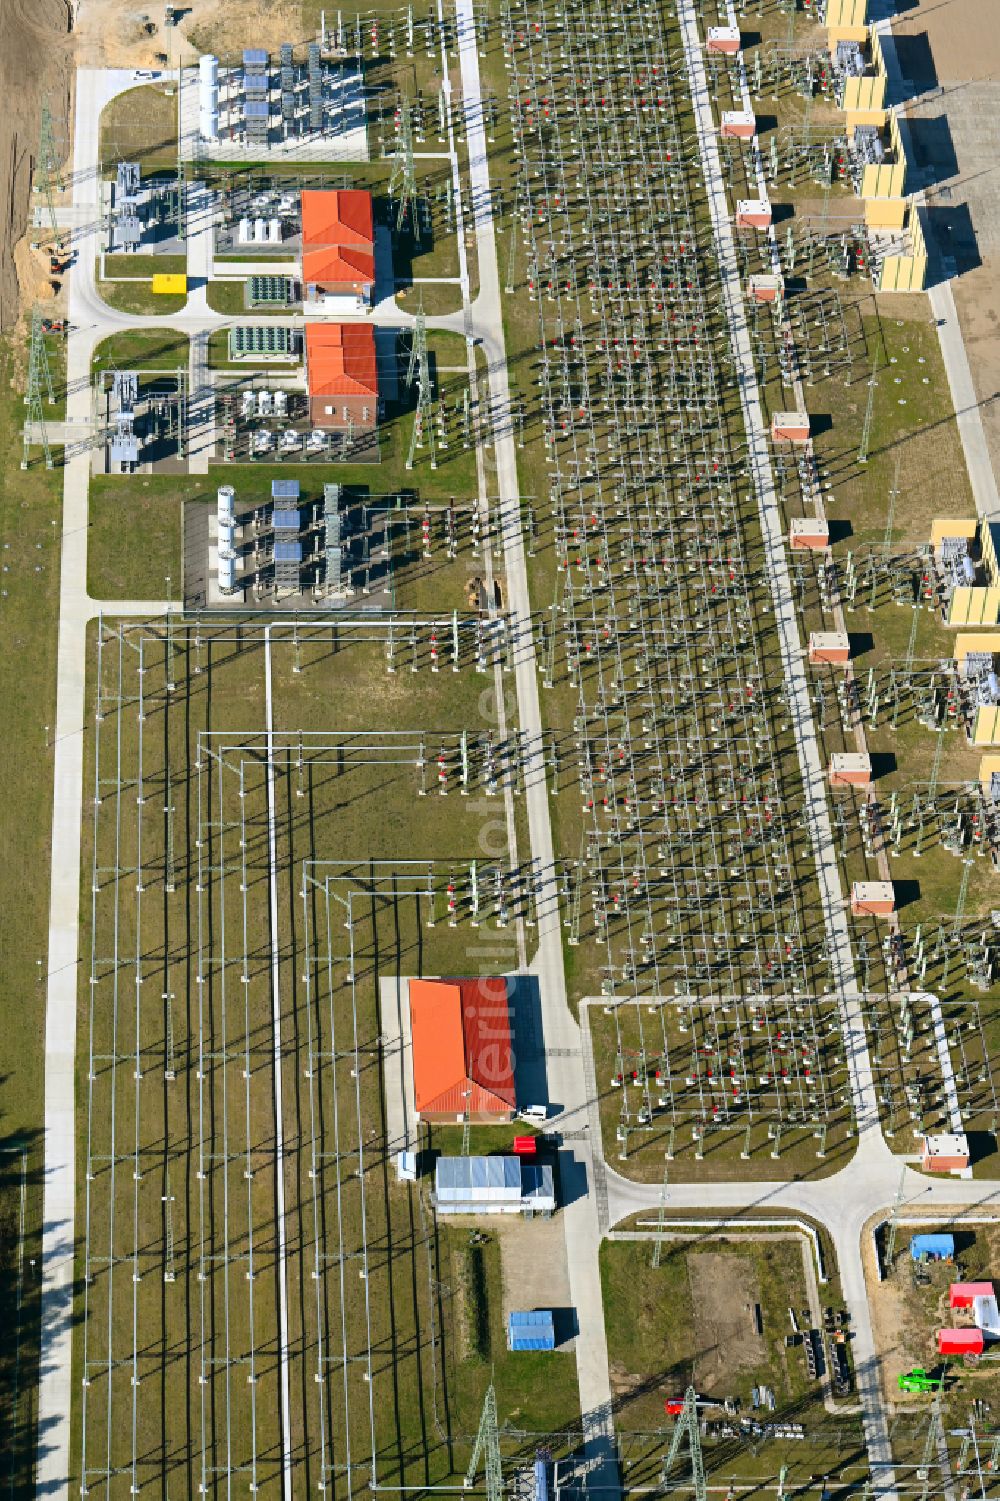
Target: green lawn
column 144, row 265
column 138, row 297
column 135, row 537
column 536, row 1390
column 142, row 349
column 227, row 296
column 140, row 126
column 30, row 513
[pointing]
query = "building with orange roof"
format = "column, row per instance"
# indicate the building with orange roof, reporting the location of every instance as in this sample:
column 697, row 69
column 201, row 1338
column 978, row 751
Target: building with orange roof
column 463, row 1058
column 342, row 376
column 338, row 248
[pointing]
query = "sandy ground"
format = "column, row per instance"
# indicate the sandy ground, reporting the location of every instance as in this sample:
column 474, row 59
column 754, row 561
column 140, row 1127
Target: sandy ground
column 723, row 1294
column 35, row 60
column 112, row 34
column 949, row 50
column 961, row 36
column 38, row 54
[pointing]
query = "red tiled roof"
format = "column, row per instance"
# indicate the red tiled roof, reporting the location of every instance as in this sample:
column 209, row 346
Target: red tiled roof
column 462, row 1053
column 340, row 359
column 341, row 217
column 338, row 264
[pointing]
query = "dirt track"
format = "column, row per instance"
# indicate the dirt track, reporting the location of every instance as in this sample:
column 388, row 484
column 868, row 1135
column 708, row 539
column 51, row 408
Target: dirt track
column 36, row 51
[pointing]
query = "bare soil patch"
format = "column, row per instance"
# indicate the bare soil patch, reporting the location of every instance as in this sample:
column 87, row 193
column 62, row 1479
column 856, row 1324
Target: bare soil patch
column 961, row 36
column 35, row 61
column 725, row 1294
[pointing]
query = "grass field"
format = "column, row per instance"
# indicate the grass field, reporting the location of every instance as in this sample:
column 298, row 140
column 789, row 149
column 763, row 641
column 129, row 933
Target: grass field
column 139, row 297
column 227, row 297
column 142, row 350
column 29, row 537
column 212, row 866
column 692, row 1320
column 135, row 537
column 140, row 126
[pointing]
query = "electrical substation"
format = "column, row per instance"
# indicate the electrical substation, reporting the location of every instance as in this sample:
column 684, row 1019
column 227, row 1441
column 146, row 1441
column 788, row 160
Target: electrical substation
column 520, row 538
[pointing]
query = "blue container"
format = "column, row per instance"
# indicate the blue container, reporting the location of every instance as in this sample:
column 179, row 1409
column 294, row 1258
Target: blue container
column 531, row 1331
column 934, row 1247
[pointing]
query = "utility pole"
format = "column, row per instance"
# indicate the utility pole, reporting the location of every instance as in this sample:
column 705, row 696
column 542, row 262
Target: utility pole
column 419, row 366
column 891, row 516
column 487, row 1448
column 47, row 165
column 890, row 1244
column 403, row 178
column 687, row 1426
column 933, row 1444
column 39, row 374
column 866, row 430
column 661, row 1217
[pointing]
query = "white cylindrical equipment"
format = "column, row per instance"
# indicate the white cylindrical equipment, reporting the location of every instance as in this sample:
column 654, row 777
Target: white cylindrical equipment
column 274, row 231
column 260, row 230
column 227, row 539
column 225, row 501
column 244, row 235
column 208, row 98
column 227, row 574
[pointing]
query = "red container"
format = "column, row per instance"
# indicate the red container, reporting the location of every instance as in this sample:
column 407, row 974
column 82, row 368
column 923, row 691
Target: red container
column 673, row 1409
column 960, row 1341
column 961, row 1294
column 525, row 1146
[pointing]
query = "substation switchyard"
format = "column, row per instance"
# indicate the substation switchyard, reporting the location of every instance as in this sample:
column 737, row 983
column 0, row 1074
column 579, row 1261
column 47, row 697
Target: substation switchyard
column 573, row 577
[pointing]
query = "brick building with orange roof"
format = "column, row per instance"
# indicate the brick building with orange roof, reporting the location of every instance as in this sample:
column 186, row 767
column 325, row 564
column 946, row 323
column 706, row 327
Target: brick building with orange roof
column 338, row 247
column 463, row 1057
column 342, row 376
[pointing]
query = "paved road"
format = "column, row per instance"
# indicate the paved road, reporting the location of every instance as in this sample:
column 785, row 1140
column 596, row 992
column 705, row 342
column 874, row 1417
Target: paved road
column 75, row 610
column 871, row 1147
column 566, row 1080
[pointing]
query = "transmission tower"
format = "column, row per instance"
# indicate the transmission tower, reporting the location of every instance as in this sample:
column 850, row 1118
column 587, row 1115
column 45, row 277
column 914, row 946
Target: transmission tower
column 932, row 785
column 419, row 366
column 487, row 1448
column 39, row 375
column 963, row 891
column 934, row 1444
column 866, row 430
column 47, row 166
column 687, row 1425
column 403, row 178
column 512, row 242
column 890, row 1242
column 661, row 1217
column 891, row 515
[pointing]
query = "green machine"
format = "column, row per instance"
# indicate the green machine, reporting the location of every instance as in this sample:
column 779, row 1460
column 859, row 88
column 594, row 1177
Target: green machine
column 918, row 1380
